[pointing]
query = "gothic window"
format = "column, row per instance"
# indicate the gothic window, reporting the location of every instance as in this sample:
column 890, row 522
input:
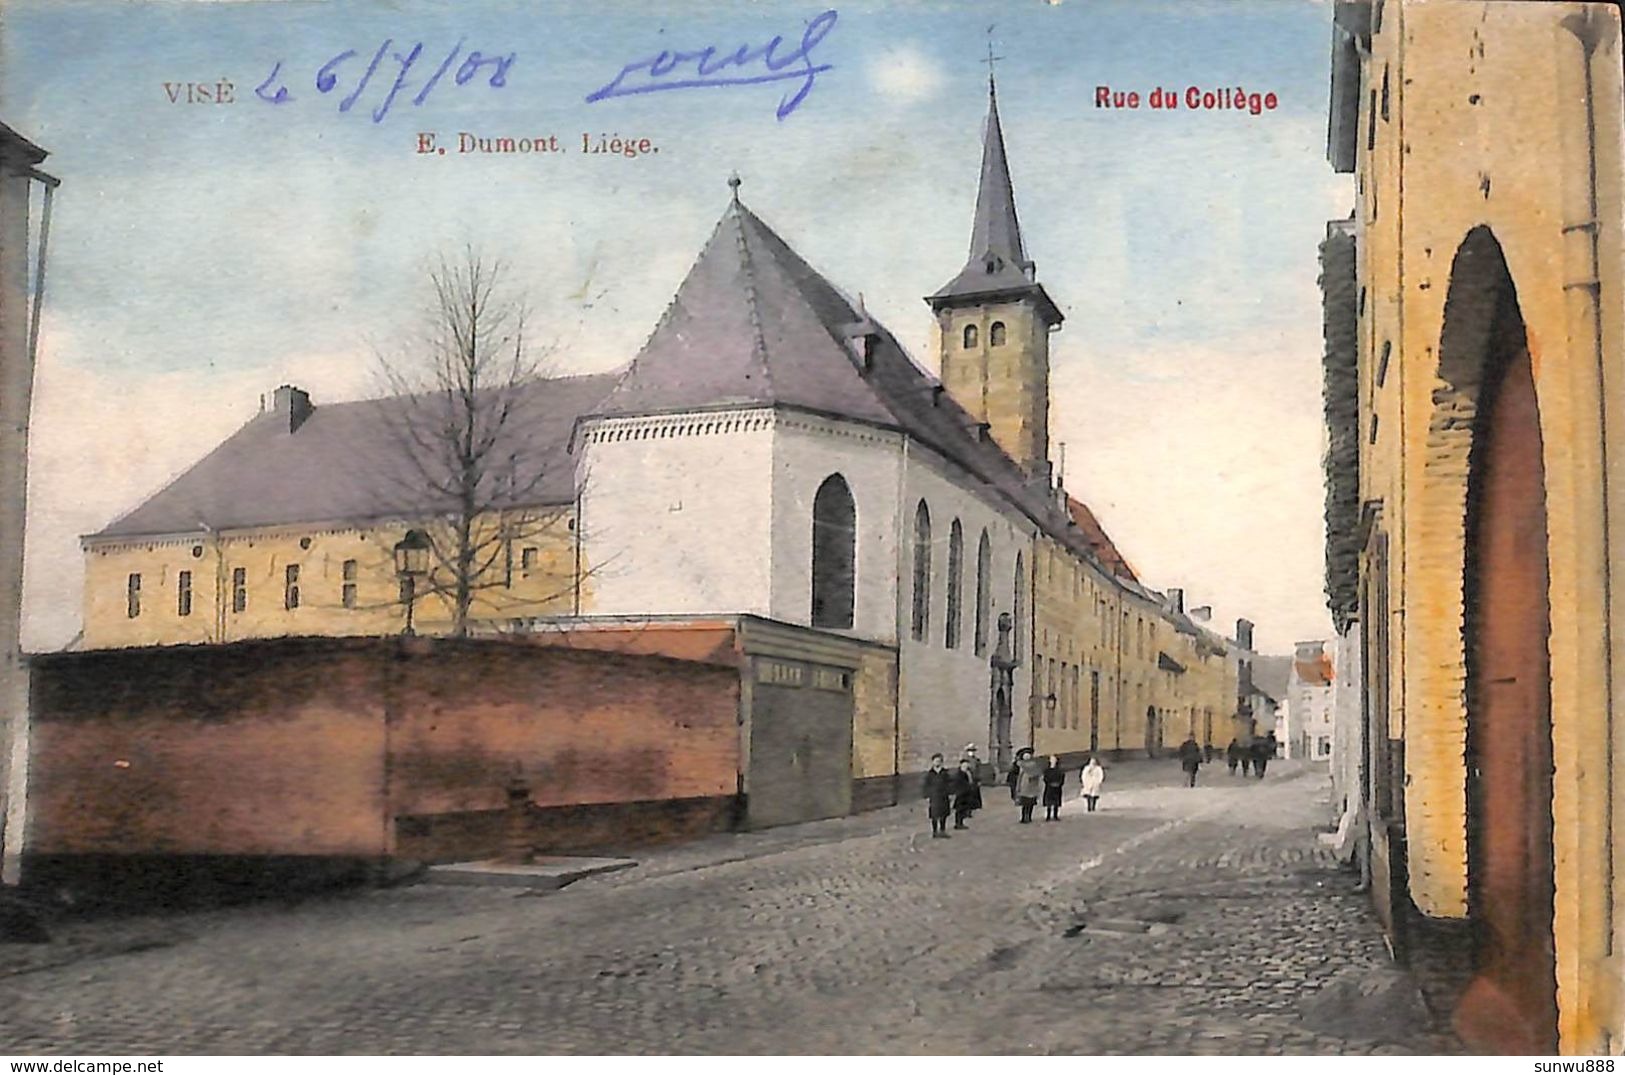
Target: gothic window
column 347, row 589
column 290, row 587
column 956, row 583
column 132, row 595
column 970, row 337
column 834, row 554
column 239, row 589
column 922, row 571
column 1020, row 607
column 984, row 593
column 527, row 559
column 995, row 334
column 183, row 594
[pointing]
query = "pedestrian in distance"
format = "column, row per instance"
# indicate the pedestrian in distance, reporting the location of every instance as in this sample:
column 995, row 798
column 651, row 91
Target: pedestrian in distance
column 1029, row 783
column 1261, row 757
column 1013, row 777
column 967, row 793
column 1054, row 782
column 1190, row 759
column 1232, row 756
column 1090, row 780
column 969, row 756
column 938, row 791
column 1246, row 760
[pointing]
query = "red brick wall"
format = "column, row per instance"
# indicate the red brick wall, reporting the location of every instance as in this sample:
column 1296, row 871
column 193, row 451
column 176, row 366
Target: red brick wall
column 227, row 750
column 279, row 747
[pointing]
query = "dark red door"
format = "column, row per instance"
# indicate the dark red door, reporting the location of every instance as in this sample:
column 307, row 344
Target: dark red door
column 1511, row 1004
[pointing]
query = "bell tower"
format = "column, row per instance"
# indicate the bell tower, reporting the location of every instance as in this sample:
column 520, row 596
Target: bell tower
column 994, row 318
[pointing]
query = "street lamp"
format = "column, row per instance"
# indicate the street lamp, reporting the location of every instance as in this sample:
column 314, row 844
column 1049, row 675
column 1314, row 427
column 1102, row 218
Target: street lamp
column 411, row 562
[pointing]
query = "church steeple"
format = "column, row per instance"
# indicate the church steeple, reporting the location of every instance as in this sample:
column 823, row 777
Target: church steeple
column 994, row 317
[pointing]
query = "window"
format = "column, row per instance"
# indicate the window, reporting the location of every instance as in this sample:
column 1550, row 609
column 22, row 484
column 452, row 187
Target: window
column 527, row 559
column 1049, row 695
column 970, row 337
column 956, row 584
column 995, row 334
column 132, row 595
column 984, row 566
column 1077, row 697
column 290, row 586
column 834, row 553
column 1385, row 93
column 347, row 590
column 239, row 589
column 922, row 571
column 1371, row 123
column 1020, row 607
column 183, row 594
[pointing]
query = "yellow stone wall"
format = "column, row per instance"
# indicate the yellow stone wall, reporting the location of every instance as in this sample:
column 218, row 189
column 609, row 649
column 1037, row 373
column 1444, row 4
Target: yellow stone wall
column 1486, row 125
column 874, row 714
column 1072, row 639
column 1006, row 386
column 507, row 591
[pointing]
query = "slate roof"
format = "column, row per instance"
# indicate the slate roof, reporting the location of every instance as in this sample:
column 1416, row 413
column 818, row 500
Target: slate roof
column 997, row 263
column 345, row 462
column 754, row 324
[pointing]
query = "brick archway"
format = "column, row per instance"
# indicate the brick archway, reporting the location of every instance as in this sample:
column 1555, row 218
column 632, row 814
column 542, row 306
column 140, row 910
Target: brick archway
column 1479, row 726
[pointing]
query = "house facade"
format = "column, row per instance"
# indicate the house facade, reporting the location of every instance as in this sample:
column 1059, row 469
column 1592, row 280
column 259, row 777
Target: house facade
column 1474, row 343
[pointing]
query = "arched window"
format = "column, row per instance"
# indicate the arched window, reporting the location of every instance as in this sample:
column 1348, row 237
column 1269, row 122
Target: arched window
column 922, row 571
column 956, row 584
column 970, row 337
column 995, row 334
column 834, row 553
column 1019, row 605
column 984, row 594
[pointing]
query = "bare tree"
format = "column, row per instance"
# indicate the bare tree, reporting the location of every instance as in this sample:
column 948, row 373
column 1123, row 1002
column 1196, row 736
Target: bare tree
column 466, row 397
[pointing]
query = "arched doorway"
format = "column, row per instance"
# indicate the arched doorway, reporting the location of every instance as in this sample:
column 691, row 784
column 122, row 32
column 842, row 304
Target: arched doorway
column 1511, row 1004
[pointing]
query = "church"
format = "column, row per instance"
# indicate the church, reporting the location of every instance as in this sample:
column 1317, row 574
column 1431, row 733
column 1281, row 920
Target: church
column 771, row 452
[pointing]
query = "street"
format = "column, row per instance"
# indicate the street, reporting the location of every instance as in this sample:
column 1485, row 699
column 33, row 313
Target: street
column 1175, row 920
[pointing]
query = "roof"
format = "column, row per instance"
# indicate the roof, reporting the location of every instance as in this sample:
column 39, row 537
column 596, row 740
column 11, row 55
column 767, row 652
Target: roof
column 754, row 324
column 13, row 144
column 346, row 461
column 1168, row 664
column 1316, row 672
column 1270, row 674
column 1095, row 534
column 997, row 263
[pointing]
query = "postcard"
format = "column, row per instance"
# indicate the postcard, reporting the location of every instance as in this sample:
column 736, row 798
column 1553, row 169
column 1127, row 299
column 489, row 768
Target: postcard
column 1066, row 527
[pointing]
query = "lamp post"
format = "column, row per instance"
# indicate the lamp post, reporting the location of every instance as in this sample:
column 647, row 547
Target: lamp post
column 411, row 562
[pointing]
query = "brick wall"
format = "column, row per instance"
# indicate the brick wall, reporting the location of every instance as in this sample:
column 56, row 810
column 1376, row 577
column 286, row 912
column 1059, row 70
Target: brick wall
column 282, row 748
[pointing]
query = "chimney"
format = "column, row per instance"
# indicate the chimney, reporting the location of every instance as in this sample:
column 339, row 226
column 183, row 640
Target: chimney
column 1202, row 613
column 1176, row 601
column 291, row 406
column 1244, row 634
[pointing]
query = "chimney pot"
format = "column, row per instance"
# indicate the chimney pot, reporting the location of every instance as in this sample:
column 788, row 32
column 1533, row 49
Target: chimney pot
column 1176, row 600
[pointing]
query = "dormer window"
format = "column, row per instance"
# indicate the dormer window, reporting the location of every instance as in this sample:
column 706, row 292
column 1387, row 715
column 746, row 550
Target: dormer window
column 971, row 337
column 994, row 263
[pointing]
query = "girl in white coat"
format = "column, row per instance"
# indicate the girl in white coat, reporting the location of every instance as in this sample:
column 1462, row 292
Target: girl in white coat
column 1093, row 777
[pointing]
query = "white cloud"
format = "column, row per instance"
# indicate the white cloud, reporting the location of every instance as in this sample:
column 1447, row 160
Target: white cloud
column 905, row 74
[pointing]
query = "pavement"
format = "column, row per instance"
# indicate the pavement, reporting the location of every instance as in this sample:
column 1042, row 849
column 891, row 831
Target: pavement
column 1173, row 921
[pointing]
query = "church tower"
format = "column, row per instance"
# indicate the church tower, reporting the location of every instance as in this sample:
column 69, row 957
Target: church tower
column 994, row 318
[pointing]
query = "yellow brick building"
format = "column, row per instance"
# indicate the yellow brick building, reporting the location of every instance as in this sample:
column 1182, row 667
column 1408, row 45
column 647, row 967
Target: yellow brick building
column 1484, row 304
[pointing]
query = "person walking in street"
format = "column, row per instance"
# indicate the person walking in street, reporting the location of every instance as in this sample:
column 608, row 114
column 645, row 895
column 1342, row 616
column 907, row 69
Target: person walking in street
column 967, row 792
column 1261, row 757
column 1190, row 759
column 1232, row 756
column 938, row 791
column 968, row 756
column 1029, row 783
column 1092, row 777
column 1246, row 758
column 1054, row 781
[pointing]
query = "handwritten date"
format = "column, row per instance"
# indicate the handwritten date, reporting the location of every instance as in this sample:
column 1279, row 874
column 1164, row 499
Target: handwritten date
column 343, row 73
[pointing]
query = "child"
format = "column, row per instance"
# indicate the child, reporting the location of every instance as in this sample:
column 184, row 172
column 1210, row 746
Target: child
column 1093, row 776
column 967, row 794
column 938, row 790
column 1054, row 780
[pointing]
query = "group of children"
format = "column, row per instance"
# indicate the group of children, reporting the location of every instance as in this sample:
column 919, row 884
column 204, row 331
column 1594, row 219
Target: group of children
column 959, row 791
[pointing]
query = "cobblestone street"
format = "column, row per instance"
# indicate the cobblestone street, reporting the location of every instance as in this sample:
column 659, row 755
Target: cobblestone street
column 1175, row 920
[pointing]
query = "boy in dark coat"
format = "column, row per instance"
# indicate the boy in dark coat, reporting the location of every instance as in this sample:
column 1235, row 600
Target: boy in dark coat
column 938, row 791
column 1054, row 781
column 967, row 795
column 1232, row 756
column 1261, row 757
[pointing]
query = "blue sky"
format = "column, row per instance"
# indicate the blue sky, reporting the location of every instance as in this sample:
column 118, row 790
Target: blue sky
column 202, row 254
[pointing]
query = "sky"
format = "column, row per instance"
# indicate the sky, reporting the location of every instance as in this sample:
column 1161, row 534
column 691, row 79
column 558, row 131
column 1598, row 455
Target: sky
column 202, row 254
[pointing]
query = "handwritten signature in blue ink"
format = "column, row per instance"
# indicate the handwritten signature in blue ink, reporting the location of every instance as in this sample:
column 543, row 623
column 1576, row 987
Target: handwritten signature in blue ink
column 274, row 90
column 713, row 68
